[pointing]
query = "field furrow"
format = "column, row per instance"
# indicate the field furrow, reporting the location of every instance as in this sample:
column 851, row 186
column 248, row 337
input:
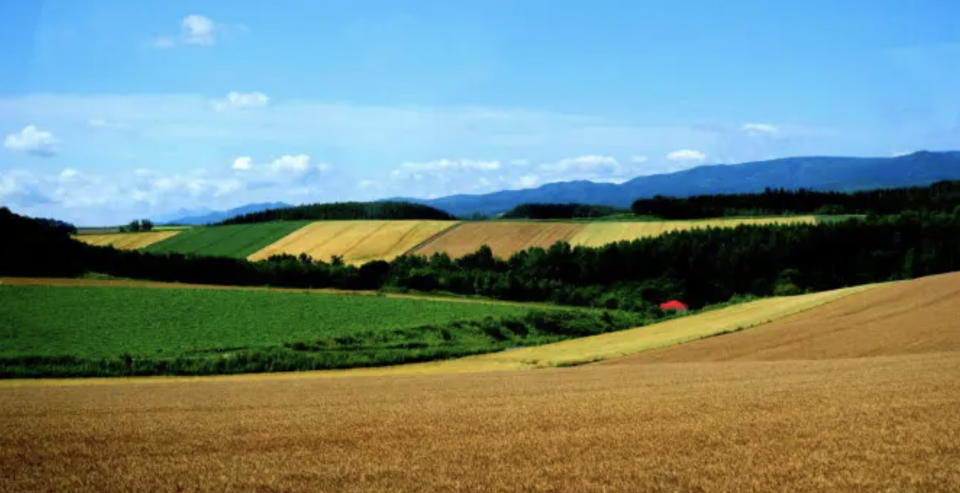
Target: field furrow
column 126, row 241
column 356, row 241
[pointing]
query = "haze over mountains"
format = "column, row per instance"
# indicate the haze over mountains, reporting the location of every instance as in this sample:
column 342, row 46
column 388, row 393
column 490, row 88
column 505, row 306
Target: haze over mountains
column 818, row 173
column 206, row 216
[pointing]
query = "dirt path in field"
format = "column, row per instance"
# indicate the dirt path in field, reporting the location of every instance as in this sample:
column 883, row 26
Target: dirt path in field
column 869, row 424
column 65, row 282
column 919, row 316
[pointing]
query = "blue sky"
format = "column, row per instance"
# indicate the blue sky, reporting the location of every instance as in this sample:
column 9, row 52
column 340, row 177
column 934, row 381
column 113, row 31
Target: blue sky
column 114, row 109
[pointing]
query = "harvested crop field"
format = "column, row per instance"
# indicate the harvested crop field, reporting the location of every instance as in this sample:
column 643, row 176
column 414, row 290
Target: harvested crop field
column 601, row 233
column 235, row 240
column 356, row 241
column 871, row 424
column 503, row 238
column 919, row 316
column 126, row 241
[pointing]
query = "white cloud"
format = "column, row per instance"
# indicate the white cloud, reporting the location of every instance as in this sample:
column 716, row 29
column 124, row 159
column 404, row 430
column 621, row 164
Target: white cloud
column 32, row 140
column 242, row 100
column 452, row 164
column 527, row 181
column 291, row 163
column 759, row 129
column 687, row 155
column 97, row 122
column 639, row 159
column 243, row 163
column 369, row 185
column 584, row 163
column 197, row 30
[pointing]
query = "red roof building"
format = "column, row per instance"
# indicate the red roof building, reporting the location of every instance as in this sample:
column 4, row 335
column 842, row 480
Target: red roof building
column 674, row 305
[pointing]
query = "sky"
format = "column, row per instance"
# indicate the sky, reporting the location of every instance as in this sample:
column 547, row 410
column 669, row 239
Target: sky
column 112, row 110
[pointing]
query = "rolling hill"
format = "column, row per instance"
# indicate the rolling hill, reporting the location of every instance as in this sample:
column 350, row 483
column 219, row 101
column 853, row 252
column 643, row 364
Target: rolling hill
column 818, row 173
column 206, row 216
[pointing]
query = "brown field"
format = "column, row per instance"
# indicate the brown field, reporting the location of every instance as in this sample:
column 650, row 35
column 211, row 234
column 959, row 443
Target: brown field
column 815, row 419
column 504, row 238
column 919, row 316
column 356, row 241
column 126, row 241
column 601, row 233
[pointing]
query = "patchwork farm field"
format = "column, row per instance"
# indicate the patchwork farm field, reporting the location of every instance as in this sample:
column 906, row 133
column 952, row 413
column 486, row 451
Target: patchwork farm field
column 884, row 420
column 237, row 241
column 126, row 241
column 51, row 331
column 597, row 234
column 504, row 238
column 356, row 241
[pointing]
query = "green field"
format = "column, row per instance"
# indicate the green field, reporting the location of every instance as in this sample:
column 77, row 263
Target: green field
column 89, row 331
column 236, row 241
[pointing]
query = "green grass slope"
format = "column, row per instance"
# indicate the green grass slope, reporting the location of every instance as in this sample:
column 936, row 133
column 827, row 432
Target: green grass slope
column 238, row 241
column 52, row 331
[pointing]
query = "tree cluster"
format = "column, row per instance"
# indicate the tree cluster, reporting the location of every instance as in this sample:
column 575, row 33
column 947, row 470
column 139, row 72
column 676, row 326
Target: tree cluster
column 344, row 211
column 700, row 267
column 136, row 226
column 939, row 197
column 560, row 211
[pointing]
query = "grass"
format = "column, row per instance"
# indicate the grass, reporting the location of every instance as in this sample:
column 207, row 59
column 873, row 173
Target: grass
column 597, row 234
column 237, row 241
column 103, row 331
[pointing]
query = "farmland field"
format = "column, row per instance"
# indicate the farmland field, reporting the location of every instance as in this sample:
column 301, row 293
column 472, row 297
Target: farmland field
column 356, row 241
column 236, row 241
column 126, row 241
column 508, row 237
column 504, row 238
column 601, row 233
column 872, row 423
column 919, row 316
column 89, row 331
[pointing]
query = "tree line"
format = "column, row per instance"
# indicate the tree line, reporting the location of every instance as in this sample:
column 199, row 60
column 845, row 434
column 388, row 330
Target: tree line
column 561, row 211
column 345, row 211
column 942, row 196
column 699, row 267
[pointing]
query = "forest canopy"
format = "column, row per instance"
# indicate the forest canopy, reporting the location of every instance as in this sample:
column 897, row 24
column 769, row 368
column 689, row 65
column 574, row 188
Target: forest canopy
column 345, row 211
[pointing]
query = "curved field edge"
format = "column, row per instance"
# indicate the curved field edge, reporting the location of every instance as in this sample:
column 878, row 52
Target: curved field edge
column 566, row 353
column 127, row 241
column 68, row 282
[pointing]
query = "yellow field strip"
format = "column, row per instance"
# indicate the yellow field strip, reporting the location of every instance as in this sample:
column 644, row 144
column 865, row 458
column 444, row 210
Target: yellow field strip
column 602, row 233
column 127, row 241
column 576, row 351
column 356, row 241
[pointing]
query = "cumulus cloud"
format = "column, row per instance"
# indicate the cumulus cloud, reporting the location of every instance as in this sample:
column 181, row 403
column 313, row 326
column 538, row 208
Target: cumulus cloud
column 197, row 29
column 32, row 140
column 243, row 163
column 687, row 156
column 242, row 100
column 291, row 163
column 527, row 181
column 759, row 129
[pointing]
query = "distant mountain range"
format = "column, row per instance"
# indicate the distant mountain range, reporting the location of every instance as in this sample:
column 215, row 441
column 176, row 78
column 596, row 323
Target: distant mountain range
column 198, row 217
column 818, row 173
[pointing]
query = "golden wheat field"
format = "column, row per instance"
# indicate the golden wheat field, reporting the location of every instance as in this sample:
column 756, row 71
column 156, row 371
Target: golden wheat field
column 504, row 238
column 126, row 241
column 879, row 415
column 356, row 241
column 601, row 233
